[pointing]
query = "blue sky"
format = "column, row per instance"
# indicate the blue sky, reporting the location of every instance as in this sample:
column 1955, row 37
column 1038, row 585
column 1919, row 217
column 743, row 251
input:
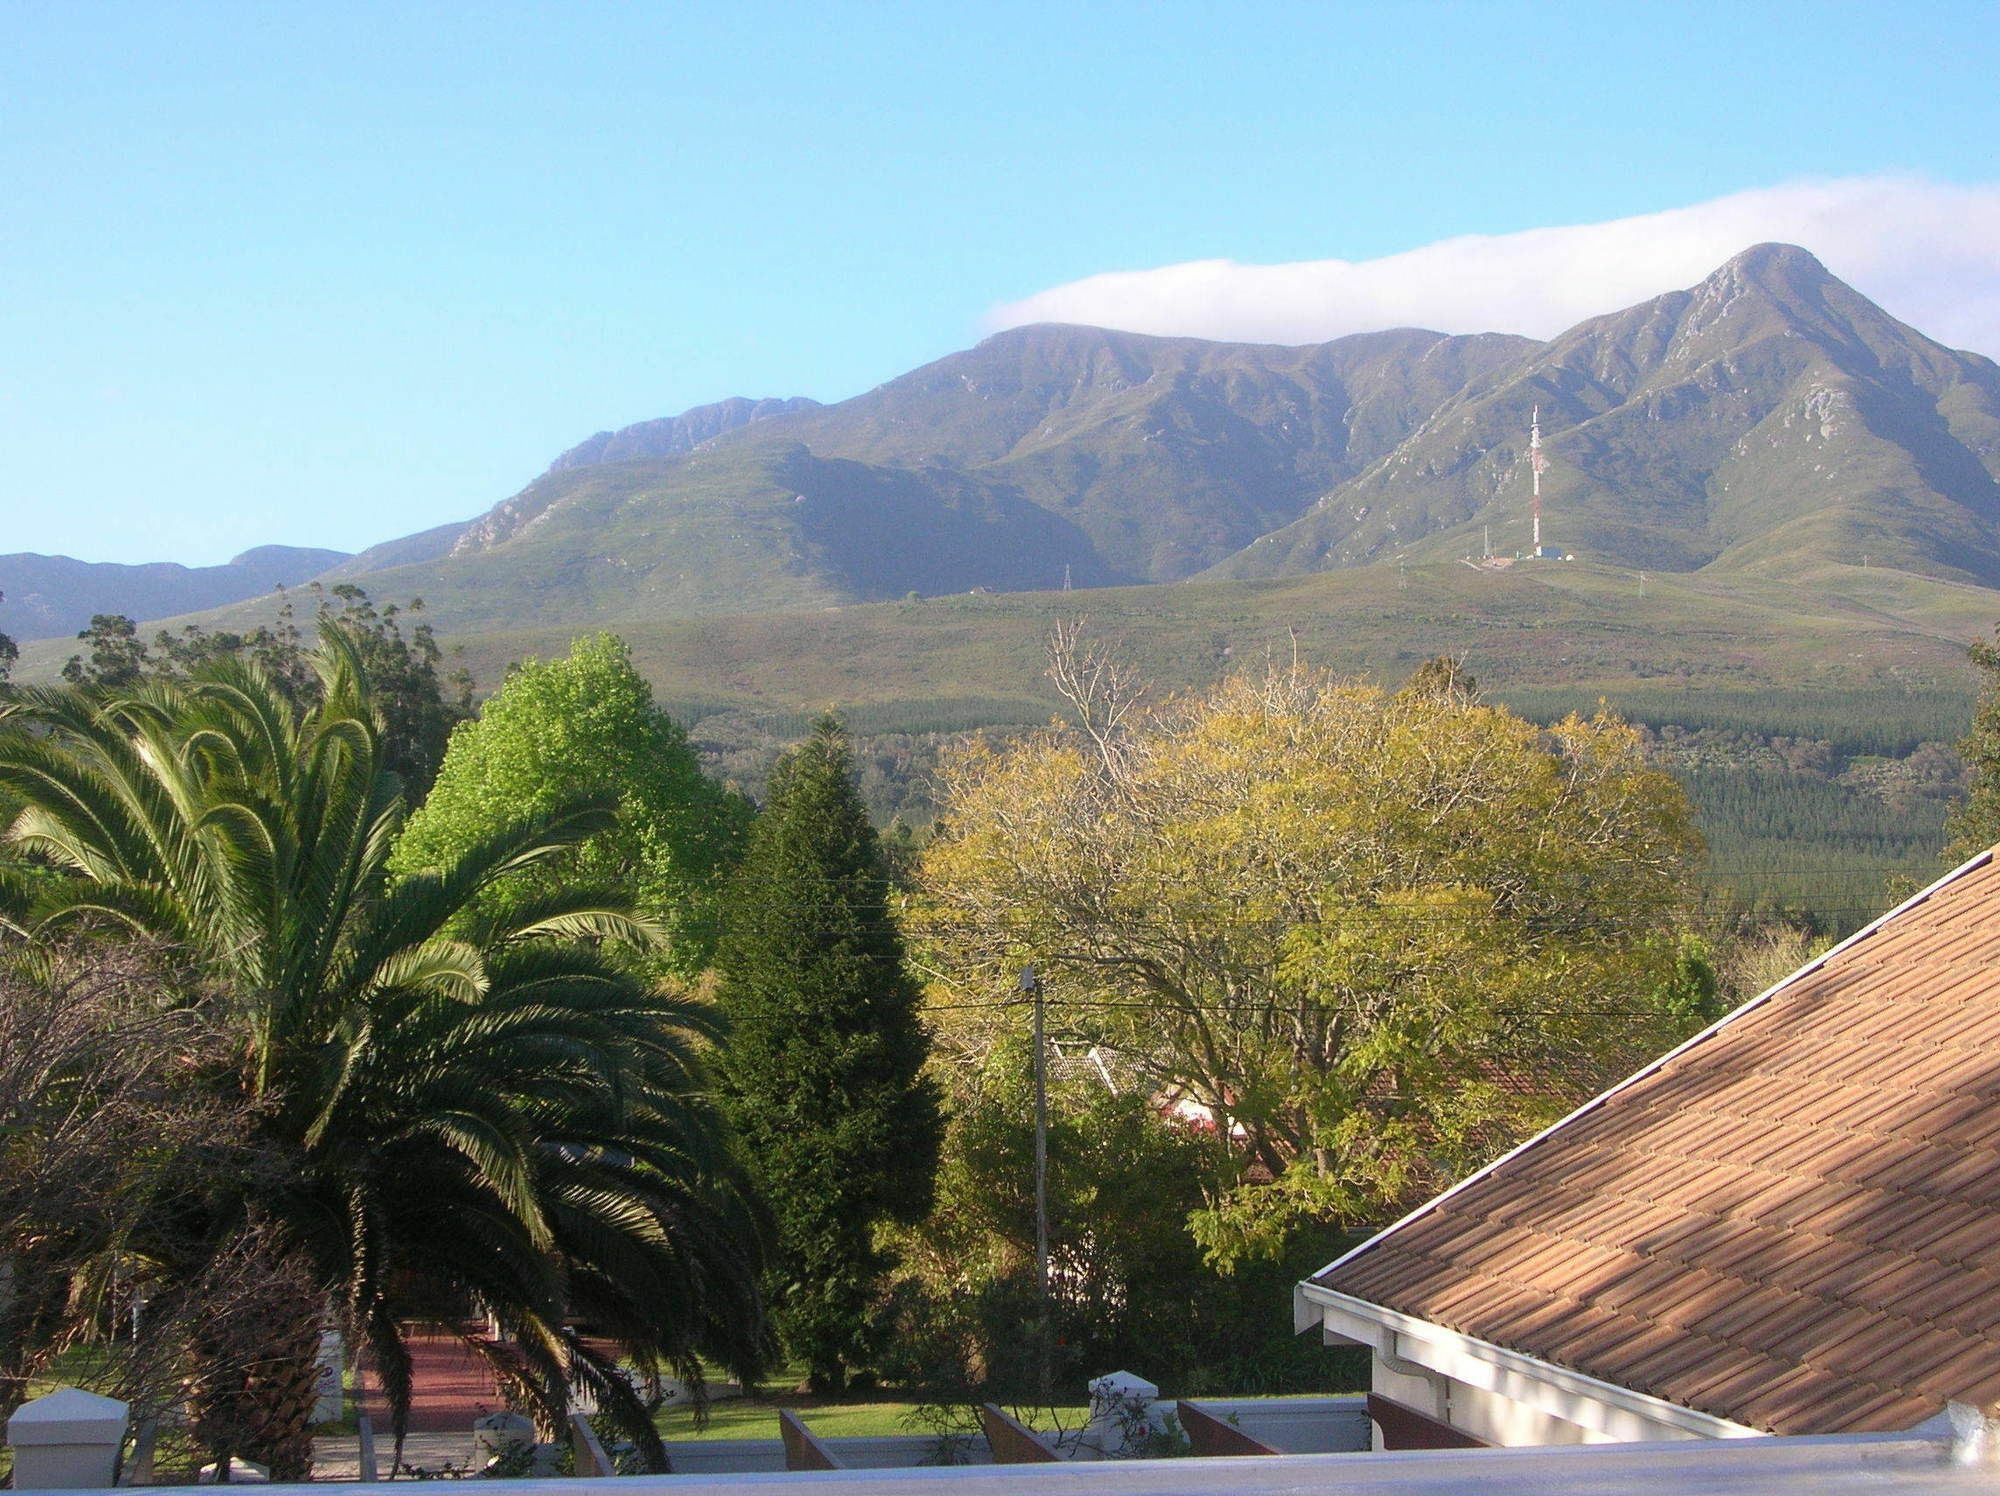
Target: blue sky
column 326, row 275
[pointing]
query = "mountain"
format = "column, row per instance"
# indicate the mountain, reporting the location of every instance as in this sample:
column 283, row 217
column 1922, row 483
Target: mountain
column 650, row 441
column 1770, row 420
column 1770, row 417
column 1164, row 452
column 1043, row 453
column 1767, row 417
column 45, row 597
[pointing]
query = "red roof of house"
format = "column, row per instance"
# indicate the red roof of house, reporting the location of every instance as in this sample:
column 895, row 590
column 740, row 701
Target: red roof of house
column 1792, row 1222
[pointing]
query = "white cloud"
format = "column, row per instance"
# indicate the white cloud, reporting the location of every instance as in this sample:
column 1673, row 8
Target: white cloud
column 1927, row 252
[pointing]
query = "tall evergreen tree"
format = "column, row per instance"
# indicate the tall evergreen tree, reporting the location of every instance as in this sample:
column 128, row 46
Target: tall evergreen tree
column 823, row 1069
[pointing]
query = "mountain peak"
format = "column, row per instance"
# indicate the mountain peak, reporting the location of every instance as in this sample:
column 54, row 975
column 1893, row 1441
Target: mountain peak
column 303, row 560
column 672, row 436
column 1774, row 264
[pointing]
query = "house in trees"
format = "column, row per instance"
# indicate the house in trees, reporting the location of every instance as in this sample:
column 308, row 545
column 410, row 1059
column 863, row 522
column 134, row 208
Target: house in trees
column 1790, row 1224
column 1121, row 1073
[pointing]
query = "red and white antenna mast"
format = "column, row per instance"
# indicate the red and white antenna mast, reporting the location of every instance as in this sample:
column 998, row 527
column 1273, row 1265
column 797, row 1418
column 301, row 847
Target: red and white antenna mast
column 1537, row 465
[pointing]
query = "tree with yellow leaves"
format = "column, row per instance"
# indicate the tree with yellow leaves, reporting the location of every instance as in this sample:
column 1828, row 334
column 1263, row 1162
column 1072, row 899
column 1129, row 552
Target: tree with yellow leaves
column 1374, row 936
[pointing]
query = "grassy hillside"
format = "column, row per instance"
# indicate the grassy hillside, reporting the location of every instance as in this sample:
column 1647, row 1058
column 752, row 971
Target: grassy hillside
column 1797, row 711
column 1576, row 626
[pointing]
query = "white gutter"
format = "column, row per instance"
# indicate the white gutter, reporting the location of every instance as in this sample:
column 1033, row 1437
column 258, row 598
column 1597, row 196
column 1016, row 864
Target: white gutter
column 1555, row 1390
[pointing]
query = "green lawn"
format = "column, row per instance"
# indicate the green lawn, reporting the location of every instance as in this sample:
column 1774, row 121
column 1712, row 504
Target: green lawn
column 757, row 1418
column 830, row 1418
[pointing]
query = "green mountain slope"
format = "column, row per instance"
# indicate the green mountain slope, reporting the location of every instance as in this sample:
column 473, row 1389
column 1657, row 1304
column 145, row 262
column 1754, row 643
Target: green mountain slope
column 1166, row 453
column 675, row 435
column 1767, row 418
column 1110, row 457
column 735, row 529
column 659, row 442
column 1569, row 632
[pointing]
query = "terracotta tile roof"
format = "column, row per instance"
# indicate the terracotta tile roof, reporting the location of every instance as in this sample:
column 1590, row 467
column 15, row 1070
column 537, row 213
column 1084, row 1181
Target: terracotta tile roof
column 1792, row 1223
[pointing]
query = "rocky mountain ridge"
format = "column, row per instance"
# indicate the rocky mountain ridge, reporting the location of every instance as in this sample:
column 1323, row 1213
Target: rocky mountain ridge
column 1769, row 413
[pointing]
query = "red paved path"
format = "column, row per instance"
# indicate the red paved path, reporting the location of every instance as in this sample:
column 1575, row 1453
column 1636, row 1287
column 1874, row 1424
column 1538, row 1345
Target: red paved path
column 450, row 1387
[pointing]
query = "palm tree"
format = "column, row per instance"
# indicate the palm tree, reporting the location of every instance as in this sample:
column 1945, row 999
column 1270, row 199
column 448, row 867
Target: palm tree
column 462, row 1106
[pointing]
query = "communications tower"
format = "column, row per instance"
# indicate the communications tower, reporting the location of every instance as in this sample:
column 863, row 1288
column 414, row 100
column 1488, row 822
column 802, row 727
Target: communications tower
column 1537, row 465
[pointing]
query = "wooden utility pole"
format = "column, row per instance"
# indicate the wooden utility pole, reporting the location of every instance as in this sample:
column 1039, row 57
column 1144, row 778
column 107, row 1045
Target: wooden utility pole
column 1031, row 985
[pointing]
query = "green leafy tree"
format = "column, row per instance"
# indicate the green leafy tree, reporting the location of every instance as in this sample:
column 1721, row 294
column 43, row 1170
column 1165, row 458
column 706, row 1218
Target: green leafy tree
column 1975, row 825
column 587, row 725
column 823, row 1071
column 1129, row 1286
column 458, row 1104
column 1375, row 935
column 118, row 656
column 418, row 705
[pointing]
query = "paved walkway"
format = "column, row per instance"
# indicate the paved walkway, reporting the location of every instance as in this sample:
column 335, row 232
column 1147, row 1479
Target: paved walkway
column 450, row 1387
column 338, row 1456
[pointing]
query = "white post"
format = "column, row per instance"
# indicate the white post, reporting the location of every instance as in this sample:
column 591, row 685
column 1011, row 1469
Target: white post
column 331, row 1400
column 590, row 1460
column 364, row 1439
column 1124, row 1412
column 68, row 1439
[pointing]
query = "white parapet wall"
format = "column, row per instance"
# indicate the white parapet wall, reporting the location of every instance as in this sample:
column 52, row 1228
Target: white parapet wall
column 1295, row 1425
column 856, row 1452
column 1866, row 1465
column 68, row 1440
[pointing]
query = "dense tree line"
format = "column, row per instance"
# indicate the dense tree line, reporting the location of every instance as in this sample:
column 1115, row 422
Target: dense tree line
column 418, row 702
column 1883, row 721
column 1843, row 820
